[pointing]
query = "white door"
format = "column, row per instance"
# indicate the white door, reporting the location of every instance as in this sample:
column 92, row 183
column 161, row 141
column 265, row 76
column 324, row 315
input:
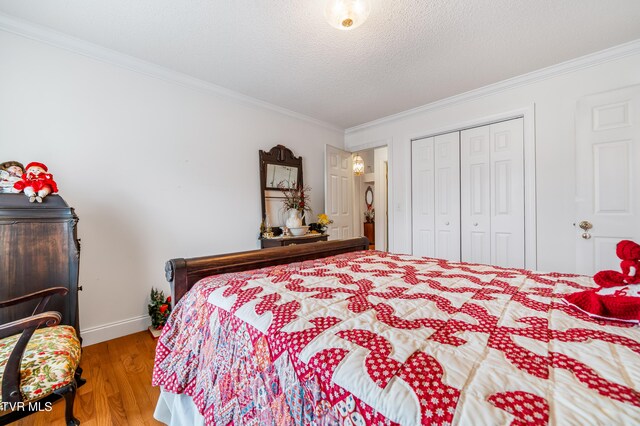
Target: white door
column 447, row 194
column 608, row 177
column 475, row 196
column 436, row 196
column 507, row 197
column 339, row 192
column 423, row 198
column 492, row 194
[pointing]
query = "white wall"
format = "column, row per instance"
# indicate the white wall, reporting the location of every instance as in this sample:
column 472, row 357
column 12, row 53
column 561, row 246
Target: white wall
column 155, row 170
column 555, row 103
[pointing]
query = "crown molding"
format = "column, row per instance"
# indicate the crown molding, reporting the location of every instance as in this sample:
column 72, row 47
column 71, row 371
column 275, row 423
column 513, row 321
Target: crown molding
column 54, row 38
column 592, row 59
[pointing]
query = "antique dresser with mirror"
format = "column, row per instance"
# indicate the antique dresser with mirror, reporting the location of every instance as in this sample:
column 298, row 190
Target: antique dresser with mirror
column 280, row 168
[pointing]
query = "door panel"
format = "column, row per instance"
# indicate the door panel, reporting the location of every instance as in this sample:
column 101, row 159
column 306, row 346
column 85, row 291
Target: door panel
column 492, row 194
column 507, row 183
column 423, row 196
column 447, row 177
column 339, row 192
column 611, row 177
column 436, row 196
column 475, row 195
column 608, row 184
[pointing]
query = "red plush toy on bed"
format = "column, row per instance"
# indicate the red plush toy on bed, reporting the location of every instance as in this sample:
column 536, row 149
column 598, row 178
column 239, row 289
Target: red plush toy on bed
column 619, row 294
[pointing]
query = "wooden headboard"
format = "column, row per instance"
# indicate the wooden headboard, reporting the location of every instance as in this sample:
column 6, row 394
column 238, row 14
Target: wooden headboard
column 182, row 274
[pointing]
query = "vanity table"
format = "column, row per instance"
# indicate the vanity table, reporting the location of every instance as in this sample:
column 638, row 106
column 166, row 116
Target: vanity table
column 280, row 168
column 290, row 241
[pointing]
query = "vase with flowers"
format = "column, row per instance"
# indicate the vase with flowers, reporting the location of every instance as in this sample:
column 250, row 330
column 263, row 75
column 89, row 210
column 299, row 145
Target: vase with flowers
column 324, row 222
column 370, row 215
column 296, row 203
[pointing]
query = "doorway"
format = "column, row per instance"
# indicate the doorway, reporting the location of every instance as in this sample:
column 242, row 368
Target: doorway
column 358, row 204
column 371, row 197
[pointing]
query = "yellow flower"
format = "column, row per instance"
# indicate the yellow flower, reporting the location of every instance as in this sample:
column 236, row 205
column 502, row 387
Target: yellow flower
column 324, row 220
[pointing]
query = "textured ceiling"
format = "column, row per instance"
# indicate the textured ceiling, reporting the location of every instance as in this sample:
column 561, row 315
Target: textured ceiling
column 408, row 53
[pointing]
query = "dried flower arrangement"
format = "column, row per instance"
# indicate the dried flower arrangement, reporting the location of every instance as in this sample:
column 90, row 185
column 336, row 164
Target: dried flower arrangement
column 296, row 197
column 370, row 215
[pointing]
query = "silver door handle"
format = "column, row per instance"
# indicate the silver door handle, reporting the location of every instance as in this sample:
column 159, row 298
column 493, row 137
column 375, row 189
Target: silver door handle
column 475, row 223
column 446, row 223
column 585, row 225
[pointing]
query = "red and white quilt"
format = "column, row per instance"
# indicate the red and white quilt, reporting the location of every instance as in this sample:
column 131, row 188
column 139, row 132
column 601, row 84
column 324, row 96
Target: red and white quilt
column 378, row 338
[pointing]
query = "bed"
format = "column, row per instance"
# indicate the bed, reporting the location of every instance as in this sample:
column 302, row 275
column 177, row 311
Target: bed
column 330, row 333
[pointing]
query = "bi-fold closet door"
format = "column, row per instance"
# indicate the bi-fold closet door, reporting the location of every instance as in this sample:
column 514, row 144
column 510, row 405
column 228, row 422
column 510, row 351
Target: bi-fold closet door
column 436, row 196
column 472, row 180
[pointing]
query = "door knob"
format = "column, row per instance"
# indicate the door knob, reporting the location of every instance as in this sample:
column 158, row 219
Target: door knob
column 585, row 225
column 475, row 223
column 446, row 223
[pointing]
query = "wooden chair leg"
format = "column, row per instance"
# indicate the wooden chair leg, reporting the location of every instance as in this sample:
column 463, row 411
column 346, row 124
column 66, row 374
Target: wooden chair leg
column 69, row 393
column 78, row 376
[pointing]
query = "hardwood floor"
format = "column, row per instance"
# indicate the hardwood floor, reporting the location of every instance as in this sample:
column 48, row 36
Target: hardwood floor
column 118, row 389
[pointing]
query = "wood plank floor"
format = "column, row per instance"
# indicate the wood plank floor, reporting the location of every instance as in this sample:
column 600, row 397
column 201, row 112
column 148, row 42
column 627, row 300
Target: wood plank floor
column 118, row 389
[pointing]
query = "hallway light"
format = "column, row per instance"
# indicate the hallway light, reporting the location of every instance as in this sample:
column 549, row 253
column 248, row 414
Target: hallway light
column 358, row 165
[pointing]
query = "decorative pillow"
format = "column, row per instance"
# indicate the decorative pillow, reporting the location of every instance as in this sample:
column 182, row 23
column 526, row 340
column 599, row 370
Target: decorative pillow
column 620, row 303
column 49, row 362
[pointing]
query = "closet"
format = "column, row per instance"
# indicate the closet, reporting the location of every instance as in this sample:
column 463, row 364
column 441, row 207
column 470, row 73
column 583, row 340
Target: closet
column 468, row 195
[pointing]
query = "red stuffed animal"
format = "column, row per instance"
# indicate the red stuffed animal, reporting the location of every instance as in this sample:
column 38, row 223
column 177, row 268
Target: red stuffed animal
column 619, row 294
column 36, row 182
column 629, row 252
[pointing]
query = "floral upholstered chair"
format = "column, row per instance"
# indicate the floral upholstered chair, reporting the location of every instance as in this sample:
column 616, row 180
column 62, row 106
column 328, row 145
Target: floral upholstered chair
column 38, row 360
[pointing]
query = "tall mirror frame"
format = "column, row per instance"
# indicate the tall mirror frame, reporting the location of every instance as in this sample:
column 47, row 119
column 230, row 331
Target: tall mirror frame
column 277, row 165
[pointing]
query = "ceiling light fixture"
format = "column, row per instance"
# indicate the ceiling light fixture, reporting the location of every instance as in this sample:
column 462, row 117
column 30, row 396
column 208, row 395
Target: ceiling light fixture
column 347, row 14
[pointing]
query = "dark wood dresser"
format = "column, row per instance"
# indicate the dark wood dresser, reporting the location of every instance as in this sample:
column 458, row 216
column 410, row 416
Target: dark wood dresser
column 40, row 249
column 289, row 241
column 370, row 233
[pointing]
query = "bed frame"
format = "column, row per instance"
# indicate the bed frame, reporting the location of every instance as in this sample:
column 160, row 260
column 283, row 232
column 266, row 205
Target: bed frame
column 182, row 273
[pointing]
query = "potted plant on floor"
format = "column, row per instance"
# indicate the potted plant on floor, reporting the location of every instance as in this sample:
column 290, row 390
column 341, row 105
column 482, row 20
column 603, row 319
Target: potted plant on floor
column 159, row 310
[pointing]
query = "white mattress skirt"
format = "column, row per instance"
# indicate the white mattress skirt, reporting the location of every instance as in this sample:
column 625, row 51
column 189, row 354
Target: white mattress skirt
column 177, row 410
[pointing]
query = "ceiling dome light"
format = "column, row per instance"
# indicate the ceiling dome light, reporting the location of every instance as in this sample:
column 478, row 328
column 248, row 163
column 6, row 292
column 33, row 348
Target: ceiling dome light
column 347, row 14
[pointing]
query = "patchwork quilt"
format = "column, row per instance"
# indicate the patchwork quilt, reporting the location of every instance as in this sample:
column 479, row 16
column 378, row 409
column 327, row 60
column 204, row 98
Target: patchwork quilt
column 372, row 338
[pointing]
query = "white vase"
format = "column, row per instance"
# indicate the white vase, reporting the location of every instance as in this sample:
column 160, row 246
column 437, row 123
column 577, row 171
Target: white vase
column 294, row 220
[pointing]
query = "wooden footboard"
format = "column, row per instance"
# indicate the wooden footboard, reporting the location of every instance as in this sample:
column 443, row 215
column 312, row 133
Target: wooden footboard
column 182, row 274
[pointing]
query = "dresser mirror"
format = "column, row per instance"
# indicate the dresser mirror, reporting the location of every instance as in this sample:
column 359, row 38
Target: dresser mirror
column 278, row 168
column 279, row 176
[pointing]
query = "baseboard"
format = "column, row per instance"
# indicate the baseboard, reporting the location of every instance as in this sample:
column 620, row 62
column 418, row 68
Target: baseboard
column 113, row 330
